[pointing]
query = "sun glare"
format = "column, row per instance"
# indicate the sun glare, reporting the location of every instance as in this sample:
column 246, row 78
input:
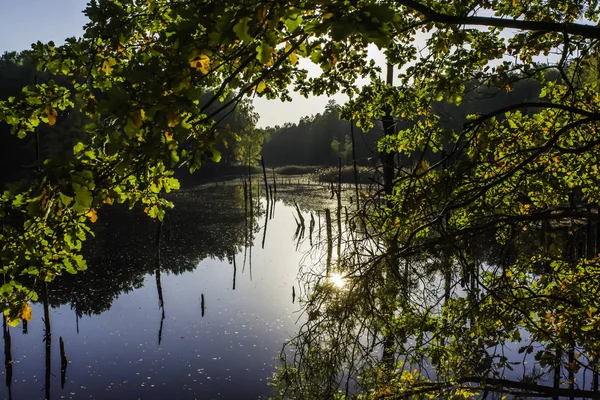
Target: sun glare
column 337, row 280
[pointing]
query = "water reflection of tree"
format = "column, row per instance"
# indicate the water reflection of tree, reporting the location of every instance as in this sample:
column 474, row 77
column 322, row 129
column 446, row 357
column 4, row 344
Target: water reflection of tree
column 456, row 316
column 204, row 224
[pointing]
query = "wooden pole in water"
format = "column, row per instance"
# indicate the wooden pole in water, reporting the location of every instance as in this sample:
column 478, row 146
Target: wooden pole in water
column 319, row 217
column 262, row 161
column 354, row 162
column 329, row 239
column 63, row 363
column 47, row 338
column 234, row 269
column 8, row 361
column 245, row 203
column 266, row 222
column 250, row 203
column 272, row 209
column 299, row 215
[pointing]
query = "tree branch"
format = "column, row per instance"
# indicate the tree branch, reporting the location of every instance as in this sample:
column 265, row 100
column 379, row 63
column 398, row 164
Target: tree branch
column 586, row 31
column 531, row 104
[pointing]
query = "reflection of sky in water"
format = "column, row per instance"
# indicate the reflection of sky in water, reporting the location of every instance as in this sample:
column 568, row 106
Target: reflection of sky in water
column 227, row 354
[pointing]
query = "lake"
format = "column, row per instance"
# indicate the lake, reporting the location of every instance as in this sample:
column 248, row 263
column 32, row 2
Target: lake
column 203, row 318
column 200, row 307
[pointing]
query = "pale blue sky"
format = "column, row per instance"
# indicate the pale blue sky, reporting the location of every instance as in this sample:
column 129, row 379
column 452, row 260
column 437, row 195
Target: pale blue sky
column 23, row 22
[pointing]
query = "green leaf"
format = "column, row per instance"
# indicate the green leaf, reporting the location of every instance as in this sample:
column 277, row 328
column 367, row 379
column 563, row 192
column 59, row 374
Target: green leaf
column 264, row 52
column 261, row 87
column 216, row 155
column 66, row 200
column 315, row 56
column 131, row 130
column 83, row 198
column 241, row 30
column 587, row 328
column 292, row 23
column 171, row 184
column 78, row 148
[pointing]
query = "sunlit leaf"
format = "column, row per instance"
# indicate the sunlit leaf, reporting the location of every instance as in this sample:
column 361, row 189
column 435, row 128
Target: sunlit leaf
column 264, row 52
column 51, row 115
column 92, row 215
column 201, row 64
column 25, row 312
column 173, row 118
column 108, row 65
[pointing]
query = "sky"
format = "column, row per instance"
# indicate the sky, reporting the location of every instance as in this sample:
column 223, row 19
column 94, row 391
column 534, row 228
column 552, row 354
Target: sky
column 23, row 22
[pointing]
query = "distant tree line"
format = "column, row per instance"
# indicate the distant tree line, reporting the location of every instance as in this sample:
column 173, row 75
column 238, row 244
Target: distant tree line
column 320, row 139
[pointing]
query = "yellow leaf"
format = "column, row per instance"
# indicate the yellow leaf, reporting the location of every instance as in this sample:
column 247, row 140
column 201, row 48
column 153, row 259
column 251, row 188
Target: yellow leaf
column 201, row 64
column 92, row 214
column 25, row 312
column 261, row 87
column 51, row 114
column 293, row 57
column 12, row 322
column 168, row 136
column 173, row 118
column 108, row 65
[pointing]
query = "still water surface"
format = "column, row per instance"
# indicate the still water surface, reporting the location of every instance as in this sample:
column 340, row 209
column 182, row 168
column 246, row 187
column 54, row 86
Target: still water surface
column 118, row 341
